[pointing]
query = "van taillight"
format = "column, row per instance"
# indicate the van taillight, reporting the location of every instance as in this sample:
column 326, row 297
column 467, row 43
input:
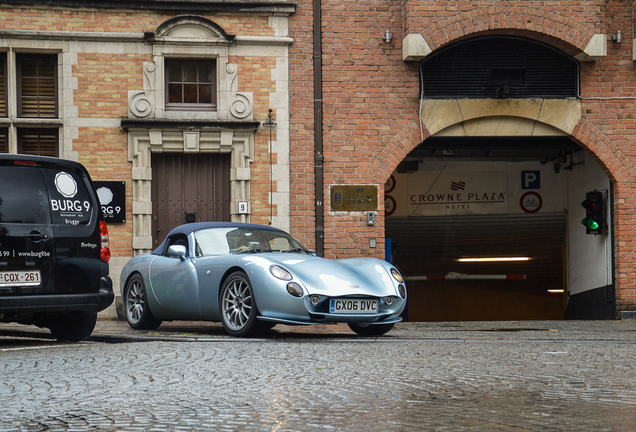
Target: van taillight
column 105, row 251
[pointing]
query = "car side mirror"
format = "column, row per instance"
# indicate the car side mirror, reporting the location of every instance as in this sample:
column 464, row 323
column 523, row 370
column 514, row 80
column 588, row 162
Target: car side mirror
column 177, row 251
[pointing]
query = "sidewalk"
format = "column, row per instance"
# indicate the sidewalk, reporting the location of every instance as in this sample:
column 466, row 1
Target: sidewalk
column 567, row 331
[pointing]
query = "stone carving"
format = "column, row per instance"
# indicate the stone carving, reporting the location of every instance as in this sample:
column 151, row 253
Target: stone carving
column 141, row 103
column 241, row 105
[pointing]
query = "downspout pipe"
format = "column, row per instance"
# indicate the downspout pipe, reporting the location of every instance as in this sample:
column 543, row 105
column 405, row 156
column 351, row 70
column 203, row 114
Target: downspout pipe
column 318, row 132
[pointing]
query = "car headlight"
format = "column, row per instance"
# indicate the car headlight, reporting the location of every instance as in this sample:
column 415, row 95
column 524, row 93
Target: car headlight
column 397, row 275
column 280, row 273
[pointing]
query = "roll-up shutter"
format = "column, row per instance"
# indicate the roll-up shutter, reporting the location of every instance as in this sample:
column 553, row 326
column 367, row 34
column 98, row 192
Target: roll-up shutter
column 431, row 246
column 499, row 67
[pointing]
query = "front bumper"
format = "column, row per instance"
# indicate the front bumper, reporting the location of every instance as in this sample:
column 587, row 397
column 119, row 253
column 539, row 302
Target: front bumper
column 333, row 319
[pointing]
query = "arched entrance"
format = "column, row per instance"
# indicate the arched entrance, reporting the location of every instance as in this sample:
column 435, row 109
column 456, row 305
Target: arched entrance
column 484, row 216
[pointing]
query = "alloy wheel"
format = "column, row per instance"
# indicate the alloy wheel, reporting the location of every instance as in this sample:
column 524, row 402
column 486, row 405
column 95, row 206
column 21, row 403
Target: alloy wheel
column 135, row 301
column 237, row 303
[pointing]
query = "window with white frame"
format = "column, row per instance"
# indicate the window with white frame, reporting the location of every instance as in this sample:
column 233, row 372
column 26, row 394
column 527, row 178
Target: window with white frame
column 190, row 84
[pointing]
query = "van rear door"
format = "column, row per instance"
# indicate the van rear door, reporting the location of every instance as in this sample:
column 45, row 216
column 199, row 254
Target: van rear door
column 27, row 254
column 75, row 215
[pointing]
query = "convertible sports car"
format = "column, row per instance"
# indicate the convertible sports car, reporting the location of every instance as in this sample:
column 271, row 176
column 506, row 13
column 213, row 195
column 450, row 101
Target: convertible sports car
column 252, row 277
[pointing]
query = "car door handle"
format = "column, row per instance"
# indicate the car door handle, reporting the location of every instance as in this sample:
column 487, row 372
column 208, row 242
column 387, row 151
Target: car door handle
column 36, row 236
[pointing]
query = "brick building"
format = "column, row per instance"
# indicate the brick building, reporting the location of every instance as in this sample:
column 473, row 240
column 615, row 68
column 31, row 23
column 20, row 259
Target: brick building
column 458, row 130
column 418, row 96
column 167, row 97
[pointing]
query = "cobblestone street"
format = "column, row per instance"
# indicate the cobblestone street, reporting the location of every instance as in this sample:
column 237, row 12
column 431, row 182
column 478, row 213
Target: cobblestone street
column 555, row 376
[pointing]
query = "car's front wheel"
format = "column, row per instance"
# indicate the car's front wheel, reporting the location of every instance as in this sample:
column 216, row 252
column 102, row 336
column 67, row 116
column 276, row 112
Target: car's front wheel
column 371, row 329
column 74, row 327
column 138, row 312
column 238, row 308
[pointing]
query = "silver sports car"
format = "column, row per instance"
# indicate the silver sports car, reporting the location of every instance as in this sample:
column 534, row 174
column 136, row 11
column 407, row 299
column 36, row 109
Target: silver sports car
column 252, row 277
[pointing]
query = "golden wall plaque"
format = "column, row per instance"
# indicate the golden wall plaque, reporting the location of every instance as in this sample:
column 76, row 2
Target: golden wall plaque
column 354, row 198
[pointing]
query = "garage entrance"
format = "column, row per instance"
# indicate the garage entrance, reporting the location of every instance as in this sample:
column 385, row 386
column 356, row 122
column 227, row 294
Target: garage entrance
column 484, row 216
column 488, row 228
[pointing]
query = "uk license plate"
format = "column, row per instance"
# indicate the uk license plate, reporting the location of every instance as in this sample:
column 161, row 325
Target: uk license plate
column 20, row 278
column 353, row 306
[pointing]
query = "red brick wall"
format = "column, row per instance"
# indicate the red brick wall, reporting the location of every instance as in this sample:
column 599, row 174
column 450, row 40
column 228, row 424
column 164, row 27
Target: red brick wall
column 370, row 101
column 301, row 118
column 368, row 94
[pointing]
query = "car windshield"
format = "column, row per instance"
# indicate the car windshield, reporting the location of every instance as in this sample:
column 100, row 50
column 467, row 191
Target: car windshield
column 225, row 241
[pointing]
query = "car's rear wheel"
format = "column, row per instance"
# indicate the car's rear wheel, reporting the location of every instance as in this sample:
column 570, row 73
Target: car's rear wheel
column 238, row 307
column 75, row 327
column 371, row 329
column 138, row 312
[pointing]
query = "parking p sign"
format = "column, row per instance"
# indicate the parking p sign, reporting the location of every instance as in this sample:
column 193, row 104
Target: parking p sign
column 530, row 179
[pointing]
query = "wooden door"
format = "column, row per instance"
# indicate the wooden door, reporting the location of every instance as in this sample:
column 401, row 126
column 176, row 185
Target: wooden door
column 188, row 188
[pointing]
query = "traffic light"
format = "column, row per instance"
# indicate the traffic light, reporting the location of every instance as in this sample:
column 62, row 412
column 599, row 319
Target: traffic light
column 594, row 220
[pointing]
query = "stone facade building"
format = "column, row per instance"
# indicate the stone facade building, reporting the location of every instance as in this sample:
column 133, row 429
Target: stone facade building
column 141, row 91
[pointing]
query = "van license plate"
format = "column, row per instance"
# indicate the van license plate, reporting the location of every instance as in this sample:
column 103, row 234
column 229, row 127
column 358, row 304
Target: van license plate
column 20, row 278
column 353, row 306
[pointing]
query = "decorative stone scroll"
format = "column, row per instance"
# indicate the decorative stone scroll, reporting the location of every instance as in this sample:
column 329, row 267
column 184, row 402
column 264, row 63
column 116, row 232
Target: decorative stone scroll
column 141, row 104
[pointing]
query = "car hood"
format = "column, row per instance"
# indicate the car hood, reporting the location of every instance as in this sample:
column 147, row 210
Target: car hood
column 352, row 276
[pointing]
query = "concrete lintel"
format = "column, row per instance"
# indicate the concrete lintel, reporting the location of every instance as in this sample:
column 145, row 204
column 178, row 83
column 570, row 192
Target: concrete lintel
column 595, row 50
column 479, row 117
column 414, row 47
column 563, row 114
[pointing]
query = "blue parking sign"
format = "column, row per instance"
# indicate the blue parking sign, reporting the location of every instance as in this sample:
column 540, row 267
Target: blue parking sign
column 530, row 179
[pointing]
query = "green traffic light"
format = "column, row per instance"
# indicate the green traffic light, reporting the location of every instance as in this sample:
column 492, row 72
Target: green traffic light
column 590, row 223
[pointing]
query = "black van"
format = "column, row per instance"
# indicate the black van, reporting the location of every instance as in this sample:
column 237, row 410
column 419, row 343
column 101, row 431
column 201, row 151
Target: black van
column 54, row 248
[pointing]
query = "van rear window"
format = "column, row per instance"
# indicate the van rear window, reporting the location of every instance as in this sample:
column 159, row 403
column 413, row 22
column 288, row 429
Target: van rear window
column 23, row 197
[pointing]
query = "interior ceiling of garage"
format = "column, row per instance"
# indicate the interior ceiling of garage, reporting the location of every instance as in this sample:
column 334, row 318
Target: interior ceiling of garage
column 510, row 149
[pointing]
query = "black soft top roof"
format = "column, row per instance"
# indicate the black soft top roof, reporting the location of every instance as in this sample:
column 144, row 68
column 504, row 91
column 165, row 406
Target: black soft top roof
column 186, row 229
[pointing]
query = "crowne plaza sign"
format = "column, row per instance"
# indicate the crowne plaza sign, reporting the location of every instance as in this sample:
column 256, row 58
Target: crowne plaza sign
column 433, row 194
